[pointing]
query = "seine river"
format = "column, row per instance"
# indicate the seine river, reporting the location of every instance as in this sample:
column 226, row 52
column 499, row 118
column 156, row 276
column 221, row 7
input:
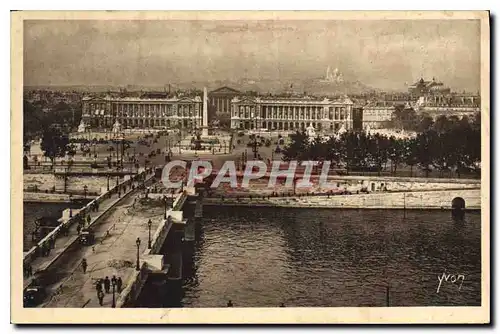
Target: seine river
column 260, row 257
column 33, row 211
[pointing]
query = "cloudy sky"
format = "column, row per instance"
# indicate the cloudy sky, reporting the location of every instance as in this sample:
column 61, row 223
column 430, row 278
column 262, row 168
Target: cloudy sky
column 383, row 54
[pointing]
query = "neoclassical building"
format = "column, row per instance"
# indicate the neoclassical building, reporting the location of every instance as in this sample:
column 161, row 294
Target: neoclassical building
column 450, row 105
column 219, row 104
column 377, row 114
column 291, row 113
column 142, row 112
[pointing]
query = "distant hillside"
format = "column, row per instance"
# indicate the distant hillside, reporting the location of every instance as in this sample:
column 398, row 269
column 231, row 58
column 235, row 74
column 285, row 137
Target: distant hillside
column 310, row 86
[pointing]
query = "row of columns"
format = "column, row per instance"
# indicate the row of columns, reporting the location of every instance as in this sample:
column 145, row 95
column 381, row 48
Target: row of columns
column 144, row 123
column 286, row 125
column 454, row 100
column 221, row 104
column 294, row 113
column 145, row 110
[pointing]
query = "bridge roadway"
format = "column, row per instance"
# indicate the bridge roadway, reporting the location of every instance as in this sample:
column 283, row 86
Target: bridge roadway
column 117, row 225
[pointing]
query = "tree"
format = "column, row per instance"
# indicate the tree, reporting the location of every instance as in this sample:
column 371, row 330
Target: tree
column 442, row 147
column 298, row 147
column 334, row 150
column 410, row 151
column 54, row 143
column 378, row 150
column 33, row 120
column 476, row 122
column 424, row 145
column 404, row 118
column 426, row 123
column 318, row 150
column 442, row 124
column 395, row 153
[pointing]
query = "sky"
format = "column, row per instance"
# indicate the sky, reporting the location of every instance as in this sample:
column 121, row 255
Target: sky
column 382, row 54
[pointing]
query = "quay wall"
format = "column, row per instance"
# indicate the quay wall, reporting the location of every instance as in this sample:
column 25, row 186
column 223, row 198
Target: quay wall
column 74, row 184
column 51, row 197
column 352, row 184
column 436, row 199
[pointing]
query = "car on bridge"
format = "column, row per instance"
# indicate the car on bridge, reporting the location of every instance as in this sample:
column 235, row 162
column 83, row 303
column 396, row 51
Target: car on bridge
column 87, row 237
column 33, row 295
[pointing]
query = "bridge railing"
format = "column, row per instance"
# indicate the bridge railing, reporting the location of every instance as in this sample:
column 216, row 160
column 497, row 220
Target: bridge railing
column 34, row 252
column 133, row 287
column 179, row 201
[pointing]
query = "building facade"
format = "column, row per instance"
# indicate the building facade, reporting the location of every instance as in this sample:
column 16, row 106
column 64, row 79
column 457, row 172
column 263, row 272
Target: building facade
column 377, row 114
column 449, row 105
column 142, row 112
column 219, row 105
column 422, row 87
column 290, row 114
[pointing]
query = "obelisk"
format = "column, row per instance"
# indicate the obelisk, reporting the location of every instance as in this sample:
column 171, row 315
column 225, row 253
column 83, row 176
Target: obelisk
column 204, row 131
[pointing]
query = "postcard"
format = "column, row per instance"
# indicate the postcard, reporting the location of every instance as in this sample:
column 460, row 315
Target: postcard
column 250, row 167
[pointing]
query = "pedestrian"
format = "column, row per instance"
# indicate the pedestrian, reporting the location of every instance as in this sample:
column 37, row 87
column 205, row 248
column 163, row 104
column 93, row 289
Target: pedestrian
column 119, row 284
column 78, row 228
column 106, row 284
column 229, row 303
column 113, row 281
column 47, row 248
column 282, row 305
column 84, row 265
column 88, row 219
column 98, row 285
column 100, row 296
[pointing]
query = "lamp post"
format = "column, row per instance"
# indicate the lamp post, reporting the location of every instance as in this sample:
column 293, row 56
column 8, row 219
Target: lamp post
column 108, row 182
column 113, row 284
column 149, row 234
column 138, row 243
column 165, row 203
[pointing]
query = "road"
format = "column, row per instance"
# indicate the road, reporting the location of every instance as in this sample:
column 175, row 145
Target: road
column 114, row 253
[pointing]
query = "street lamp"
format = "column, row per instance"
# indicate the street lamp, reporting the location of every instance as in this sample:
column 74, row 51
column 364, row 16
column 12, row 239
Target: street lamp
column 113, row 284
column 138, row 243
column 165, row 203
column 149, row 234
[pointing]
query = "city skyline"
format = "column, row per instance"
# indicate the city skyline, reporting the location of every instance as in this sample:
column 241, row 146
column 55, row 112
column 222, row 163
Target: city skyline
column 385, row 55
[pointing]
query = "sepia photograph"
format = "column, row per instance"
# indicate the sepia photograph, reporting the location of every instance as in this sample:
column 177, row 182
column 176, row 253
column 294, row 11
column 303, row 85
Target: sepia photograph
column 250, row 167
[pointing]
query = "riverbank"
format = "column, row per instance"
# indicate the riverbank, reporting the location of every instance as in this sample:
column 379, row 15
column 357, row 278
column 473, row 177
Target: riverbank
column 431, row 199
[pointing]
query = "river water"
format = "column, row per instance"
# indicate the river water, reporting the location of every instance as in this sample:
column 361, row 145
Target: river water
column 32, row 211
column 260, row 257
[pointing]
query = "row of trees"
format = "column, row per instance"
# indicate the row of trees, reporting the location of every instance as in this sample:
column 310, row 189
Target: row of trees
column 35, row 119
column 408, row 119
column 455, row 147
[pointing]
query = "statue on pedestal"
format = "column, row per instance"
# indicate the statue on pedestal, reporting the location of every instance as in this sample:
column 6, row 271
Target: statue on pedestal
column 310, row 132
column 342, row 129
column 117, row 128
column 82, row 126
